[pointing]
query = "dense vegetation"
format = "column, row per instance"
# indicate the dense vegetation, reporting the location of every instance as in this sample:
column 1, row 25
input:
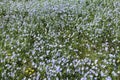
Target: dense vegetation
column 60, row 40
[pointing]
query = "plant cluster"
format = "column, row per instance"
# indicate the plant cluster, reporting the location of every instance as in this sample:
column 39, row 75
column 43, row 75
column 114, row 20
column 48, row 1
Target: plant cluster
column 59, row 40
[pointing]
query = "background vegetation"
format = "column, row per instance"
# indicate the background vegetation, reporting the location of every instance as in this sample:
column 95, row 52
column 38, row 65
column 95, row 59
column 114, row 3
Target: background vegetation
column 60, row 40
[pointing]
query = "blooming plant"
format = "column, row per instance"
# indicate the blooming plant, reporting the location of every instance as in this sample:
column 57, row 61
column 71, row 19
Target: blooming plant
column 59, row 40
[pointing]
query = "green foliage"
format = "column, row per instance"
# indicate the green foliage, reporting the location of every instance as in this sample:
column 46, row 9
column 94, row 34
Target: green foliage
column 58, row 39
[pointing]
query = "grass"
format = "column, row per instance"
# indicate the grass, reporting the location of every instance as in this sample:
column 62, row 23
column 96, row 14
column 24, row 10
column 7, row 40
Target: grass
column 41, row 40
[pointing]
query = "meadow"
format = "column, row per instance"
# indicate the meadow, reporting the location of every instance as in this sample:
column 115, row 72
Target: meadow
column 59, row 40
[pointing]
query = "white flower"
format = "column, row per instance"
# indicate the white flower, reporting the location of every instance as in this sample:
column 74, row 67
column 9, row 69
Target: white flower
column 102, row 74
column 96, row 61
column 108, row 78
column 1, row 26
column 84, row 78
column 114, row 73
column 58, row 68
